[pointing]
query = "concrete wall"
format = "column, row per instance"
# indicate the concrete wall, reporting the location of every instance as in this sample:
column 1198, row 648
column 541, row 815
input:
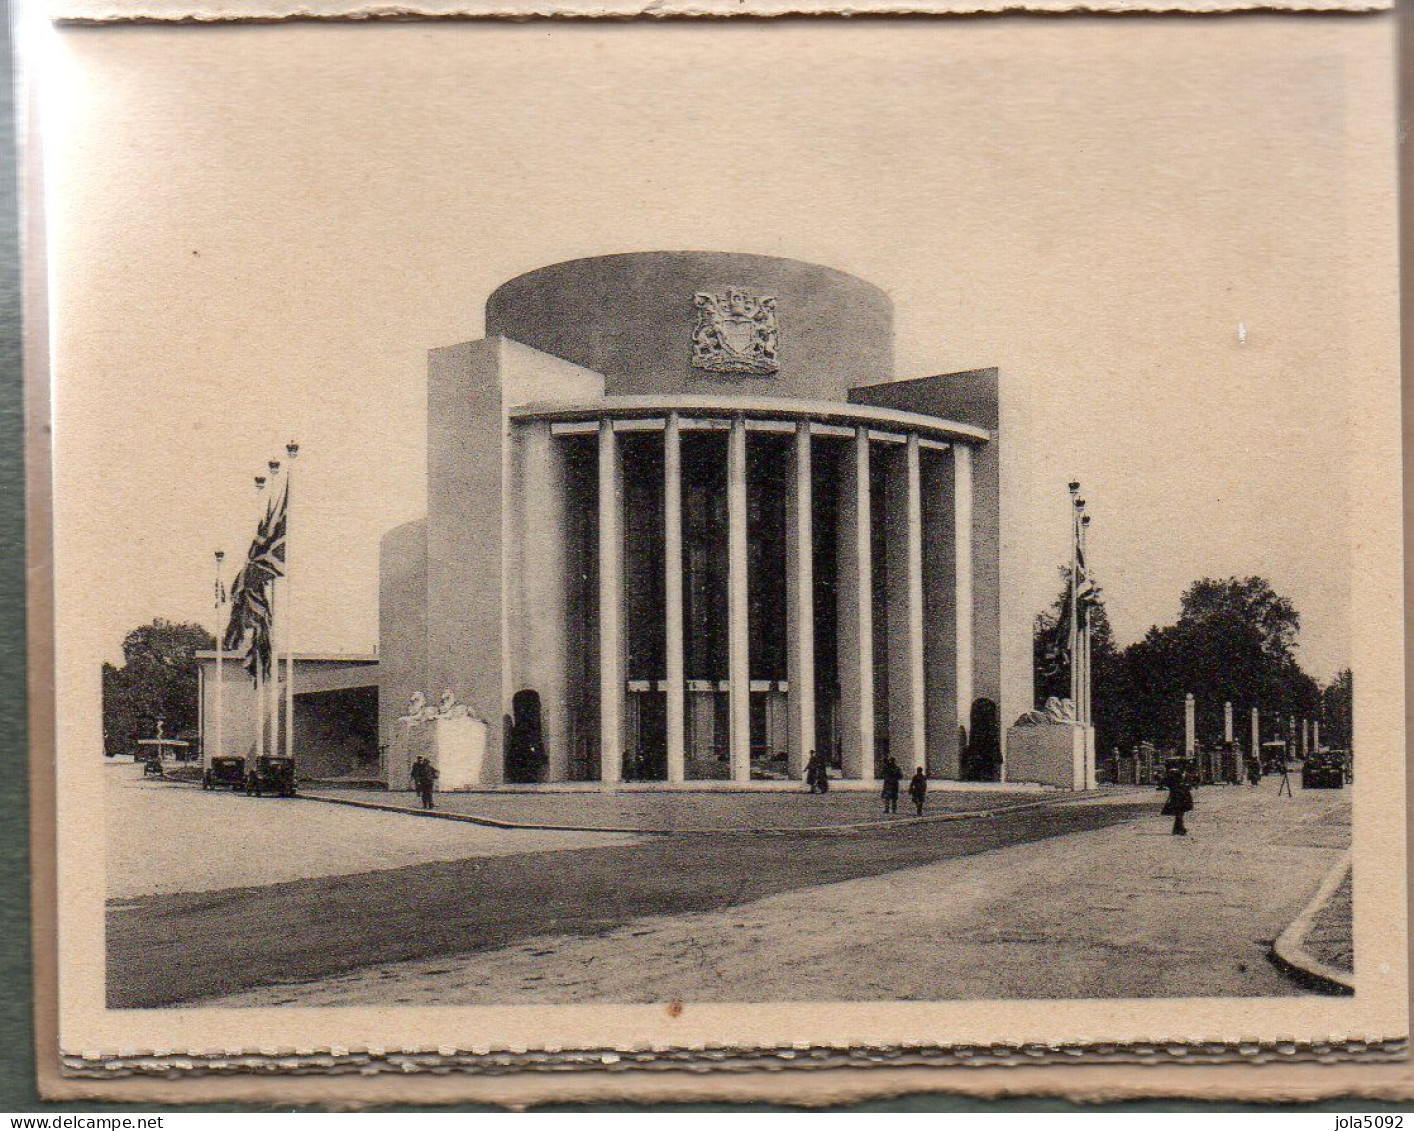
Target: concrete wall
column 487, row 619
column 1048, row 755
column 402, row 622
column 631, row 318
column 465, row 468
column 537, row 584
column 237, row 708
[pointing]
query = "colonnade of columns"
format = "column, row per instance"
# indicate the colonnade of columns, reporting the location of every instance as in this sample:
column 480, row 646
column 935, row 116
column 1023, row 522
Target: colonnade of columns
column 856, row 570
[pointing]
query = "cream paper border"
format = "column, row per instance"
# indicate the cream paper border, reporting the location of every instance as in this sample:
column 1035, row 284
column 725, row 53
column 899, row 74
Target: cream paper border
column 1377, row 1012
column 99, row 11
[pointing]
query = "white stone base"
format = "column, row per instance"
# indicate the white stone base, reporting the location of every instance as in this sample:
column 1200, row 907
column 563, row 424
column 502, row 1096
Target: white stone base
column 1060, row 756
column 456, row 747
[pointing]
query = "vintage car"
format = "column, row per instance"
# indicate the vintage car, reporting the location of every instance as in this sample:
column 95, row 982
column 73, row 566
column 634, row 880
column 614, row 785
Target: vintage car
column 225, row 772
column 271, row 774
column 1323, row 769
column 152, row 767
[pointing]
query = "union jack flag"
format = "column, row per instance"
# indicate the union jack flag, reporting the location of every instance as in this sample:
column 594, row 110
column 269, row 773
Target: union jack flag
column 250, row 624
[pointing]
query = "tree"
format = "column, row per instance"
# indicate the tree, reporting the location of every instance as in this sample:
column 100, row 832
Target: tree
column 158, row 680
column 1234, row 642
column 1337, row 711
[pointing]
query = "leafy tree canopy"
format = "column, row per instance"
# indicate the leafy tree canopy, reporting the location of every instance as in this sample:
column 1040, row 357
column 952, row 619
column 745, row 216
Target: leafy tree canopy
column 158, row 680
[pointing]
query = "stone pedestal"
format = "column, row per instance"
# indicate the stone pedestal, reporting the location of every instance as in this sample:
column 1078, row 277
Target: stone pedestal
column 455, row 746
column 1062, row 755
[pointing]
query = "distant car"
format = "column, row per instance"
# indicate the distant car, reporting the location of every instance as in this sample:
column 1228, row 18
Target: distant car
column 152, row 768
column 1323, row 769
column 271, row 775
column 224, row 772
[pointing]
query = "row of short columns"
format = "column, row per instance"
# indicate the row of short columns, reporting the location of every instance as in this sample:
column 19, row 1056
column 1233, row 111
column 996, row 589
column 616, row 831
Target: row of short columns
column 1310, row 732
column 856, row 630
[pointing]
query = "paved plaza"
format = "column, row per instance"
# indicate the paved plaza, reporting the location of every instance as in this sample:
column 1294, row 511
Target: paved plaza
column 706, row 810
column 165, row 838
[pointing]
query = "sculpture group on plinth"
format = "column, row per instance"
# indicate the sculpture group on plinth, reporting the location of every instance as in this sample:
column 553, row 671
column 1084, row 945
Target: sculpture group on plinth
column 1050, row 746
column 451, row 736
column 419, row 711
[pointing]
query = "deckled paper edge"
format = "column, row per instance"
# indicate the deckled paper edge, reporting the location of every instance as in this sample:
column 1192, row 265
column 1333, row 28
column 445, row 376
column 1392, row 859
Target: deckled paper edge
column 340, row 1062
column 206, row 11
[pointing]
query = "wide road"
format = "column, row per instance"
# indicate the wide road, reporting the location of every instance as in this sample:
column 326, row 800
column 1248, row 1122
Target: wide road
column 1088, row 899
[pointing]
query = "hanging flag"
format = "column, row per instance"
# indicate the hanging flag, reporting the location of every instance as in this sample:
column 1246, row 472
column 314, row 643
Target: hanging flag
column 249, row 627
column 1087, row 593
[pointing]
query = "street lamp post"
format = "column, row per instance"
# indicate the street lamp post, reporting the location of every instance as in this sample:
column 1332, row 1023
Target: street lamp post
column 219, row 747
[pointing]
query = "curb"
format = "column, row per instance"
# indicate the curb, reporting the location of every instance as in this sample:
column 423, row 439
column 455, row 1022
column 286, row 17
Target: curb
column 1290, row 955
column 492, row 822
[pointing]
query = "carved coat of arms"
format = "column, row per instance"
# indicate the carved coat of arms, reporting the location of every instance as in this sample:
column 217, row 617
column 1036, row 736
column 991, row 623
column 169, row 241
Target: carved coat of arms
column 735, row 332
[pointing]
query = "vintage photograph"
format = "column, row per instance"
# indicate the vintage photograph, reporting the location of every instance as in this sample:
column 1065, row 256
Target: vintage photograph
column 763, row 516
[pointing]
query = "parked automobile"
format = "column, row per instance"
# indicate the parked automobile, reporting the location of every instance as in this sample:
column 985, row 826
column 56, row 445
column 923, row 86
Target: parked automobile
column 225, row 772
column 271, row 774
column 1323, row 769
column 152, row 768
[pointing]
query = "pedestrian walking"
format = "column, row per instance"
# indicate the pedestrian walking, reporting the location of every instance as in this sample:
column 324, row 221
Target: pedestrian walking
column 1254, row 770
column 424, row 777
column 918, row 789
column 893, row 776
column 817, row 774
column 1180, row 800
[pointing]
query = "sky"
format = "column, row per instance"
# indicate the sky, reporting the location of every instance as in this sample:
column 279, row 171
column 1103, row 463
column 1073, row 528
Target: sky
column 256, row 235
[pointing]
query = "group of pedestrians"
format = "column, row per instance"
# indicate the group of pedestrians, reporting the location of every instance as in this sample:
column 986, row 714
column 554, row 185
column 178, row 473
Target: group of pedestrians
column 817, row 777
column 893, row 778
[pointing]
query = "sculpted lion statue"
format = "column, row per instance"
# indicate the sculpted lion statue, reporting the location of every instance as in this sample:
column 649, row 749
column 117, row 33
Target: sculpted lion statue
column 1057, row 712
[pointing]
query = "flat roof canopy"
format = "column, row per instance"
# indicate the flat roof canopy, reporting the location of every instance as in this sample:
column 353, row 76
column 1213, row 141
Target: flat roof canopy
column 838, row 413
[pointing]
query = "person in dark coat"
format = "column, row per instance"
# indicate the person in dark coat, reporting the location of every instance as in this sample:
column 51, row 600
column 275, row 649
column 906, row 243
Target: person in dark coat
column 1254, row 770
column 424, row 777
column 918, row 789
column 1180, row 800
column 892, row 777
column 812, row 772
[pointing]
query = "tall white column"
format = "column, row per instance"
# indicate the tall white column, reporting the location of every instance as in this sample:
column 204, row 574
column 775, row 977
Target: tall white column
column 1316, row 734
column 864, row 591
column 962, row 543
column 738, row 629
column 672, row 594
column 1227, row 722
column 1256, row 732
column 917, row 703
column 800, row 603
column 1305, row 737
column 1188, row 723
column 611, row 627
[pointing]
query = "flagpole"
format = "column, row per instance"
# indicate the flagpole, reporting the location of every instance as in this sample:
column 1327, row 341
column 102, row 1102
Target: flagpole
column 1074, row 582
column 274, row 687
column 1087, row 718
column 259, row 673
column 220, row 655
column 291, row 450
